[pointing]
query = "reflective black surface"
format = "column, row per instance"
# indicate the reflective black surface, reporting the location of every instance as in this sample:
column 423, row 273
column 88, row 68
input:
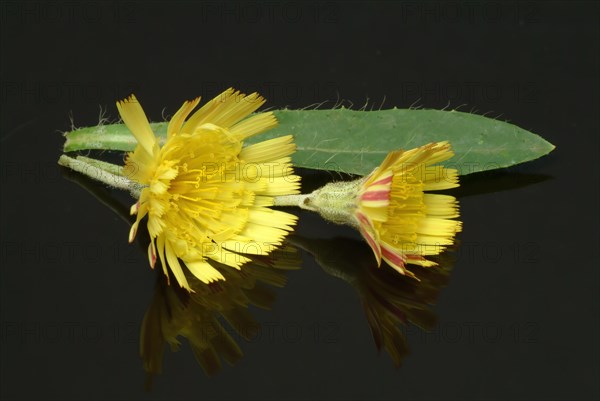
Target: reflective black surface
column 511, row 313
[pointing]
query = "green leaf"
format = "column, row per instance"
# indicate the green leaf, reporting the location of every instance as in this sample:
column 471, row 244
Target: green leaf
column 357, row 141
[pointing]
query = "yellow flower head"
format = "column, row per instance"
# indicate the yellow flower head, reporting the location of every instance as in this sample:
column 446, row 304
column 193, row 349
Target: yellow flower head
column 400, row 222
column 206, row 196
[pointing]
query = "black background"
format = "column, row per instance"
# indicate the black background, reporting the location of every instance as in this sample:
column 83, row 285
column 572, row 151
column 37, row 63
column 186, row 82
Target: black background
column 519, row 317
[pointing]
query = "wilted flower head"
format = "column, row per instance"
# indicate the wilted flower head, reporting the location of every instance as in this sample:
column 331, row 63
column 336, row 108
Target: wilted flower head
column 205, row 195
column 400, row 222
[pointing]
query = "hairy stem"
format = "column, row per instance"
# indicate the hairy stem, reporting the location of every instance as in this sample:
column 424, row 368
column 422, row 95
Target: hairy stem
column 291, row 200
column 101, row 171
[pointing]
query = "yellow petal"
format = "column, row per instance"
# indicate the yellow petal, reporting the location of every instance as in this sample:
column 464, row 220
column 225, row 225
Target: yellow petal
column 175, row 266
column 203, row 271
column 179, row 117
column 134, row 117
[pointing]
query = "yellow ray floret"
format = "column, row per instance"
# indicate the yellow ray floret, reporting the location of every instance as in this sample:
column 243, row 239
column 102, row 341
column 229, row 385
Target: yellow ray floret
column 205, row 195
column 400, row 222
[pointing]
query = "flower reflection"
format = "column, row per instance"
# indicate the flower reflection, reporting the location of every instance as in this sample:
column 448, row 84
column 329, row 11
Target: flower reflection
column 211, row 317
column 390, row 301
column 200, row 317
column 212, row 314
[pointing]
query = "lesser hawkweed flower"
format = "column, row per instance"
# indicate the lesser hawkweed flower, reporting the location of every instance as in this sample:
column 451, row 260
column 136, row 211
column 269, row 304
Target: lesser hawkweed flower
column 400, row 222
column 207, row 196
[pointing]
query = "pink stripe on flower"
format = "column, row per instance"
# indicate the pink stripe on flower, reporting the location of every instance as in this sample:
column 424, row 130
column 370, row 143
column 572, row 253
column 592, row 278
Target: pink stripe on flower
column 372, row 243
column 368, row 232
column 393, row 256
column 385, row 180
column 152, row 254
column 375, row 195
column 364, row 220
